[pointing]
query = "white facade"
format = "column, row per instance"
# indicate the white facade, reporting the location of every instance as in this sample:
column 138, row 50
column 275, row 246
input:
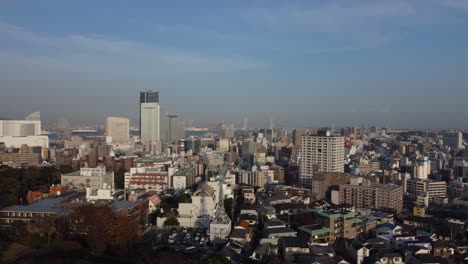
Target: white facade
column 15, row 133
column 31, row 141
column 179, row 182
column 321, row 154
column 434, row 189
column 118, row 128
column 20, row 128
column 150, row 122
column 149, row 178
column 422, row 168
column 93, row 178
column 223, row 145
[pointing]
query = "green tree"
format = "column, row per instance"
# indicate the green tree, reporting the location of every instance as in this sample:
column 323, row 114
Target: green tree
column 120, row 178
column 171, row 221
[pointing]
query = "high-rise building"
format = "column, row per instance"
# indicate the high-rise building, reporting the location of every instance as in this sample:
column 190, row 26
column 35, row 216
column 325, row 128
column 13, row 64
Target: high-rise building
column 173, row 133
column 321, row 153
column 168, row 129
column 454, row 140
column 226, row 130
column 422, row 168
column 298, row 133
column 15, row 133
column 118, row 128
column 149, row 116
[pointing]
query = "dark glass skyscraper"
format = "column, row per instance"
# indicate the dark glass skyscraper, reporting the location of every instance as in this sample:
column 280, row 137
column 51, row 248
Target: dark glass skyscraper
column 149, row 116
column 149, row 97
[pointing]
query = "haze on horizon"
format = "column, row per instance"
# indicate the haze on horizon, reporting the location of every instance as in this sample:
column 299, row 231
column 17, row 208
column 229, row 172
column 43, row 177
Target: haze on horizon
column 394, row 63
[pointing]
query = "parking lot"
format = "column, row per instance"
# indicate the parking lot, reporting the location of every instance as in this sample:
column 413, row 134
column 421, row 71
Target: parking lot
column 185, row 240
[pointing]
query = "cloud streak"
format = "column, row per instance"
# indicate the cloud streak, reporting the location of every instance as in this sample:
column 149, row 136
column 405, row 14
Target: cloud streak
column 86, row 50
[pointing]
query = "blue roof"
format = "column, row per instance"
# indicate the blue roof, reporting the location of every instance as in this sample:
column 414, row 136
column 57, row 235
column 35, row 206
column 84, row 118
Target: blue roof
column 41, row 206
column 117, row 205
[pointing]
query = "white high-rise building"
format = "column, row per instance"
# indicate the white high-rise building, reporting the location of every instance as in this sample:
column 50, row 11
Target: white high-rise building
column 118, row 128
column 149, row 116
column 321, row 153
column 14, row 133
column 422, row 168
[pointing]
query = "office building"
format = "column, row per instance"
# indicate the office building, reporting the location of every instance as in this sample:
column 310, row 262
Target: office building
column 460, row 168
column 222, row 144
column 422, row 168
column 321, row 153
column 149, row 116
column 93, row 178
column 168, row 128
column 331, row 225
column 375, row 196
column 434, row 189
column 321, row 182
column 14, row 133
column 226, row 130
column 26, row 155
column 118, row 128
column 148, row 178
column 453, row 140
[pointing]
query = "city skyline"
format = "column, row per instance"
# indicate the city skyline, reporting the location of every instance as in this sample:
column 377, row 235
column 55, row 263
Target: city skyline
column 396, row 64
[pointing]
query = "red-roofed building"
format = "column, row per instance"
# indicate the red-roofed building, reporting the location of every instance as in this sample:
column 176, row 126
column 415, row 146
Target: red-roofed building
column 150, row 179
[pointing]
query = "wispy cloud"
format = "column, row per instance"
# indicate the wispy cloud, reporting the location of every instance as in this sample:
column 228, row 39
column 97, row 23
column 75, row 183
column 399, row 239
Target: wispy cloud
column 343, row 25
column 91, row 50
column 330, row 16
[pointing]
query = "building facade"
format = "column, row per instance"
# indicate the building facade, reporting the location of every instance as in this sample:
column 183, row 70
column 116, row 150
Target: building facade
column 118, row 128
column 149, row 116
column 14, row 133
column 375, row 196
column 323, row 153
column 94, row 178
column 151, row 179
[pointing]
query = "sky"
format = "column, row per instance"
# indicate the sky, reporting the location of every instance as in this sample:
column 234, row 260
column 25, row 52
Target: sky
column 395, row 63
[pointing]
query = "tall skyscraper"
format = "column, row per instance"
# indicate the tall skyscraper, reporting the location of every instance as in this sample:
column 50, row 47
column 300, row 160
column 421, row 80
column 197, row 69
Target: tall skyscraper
column 168, row 130
column 454, row 140
column 118, row 128
column 226, row 130
column 149, row 116
column 323, row 152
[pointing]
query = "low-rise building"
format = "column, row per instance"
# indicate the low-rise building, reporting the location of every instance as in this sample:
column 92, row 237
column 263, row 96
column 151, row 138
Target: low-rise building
column 434, row 189
column 94, row 178
column 148, row 178
column 375, row 196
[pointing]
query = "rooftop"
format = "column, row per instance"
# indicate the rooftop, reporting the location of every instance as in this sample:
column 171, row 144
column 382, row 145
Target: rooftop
column 298, row 242
column 51, row 205
column 314, row 229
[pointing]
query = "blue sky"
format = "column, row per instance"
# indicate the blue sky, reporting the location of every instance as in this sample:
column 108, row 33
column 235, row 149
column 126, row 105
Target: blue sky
column 401, row 64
